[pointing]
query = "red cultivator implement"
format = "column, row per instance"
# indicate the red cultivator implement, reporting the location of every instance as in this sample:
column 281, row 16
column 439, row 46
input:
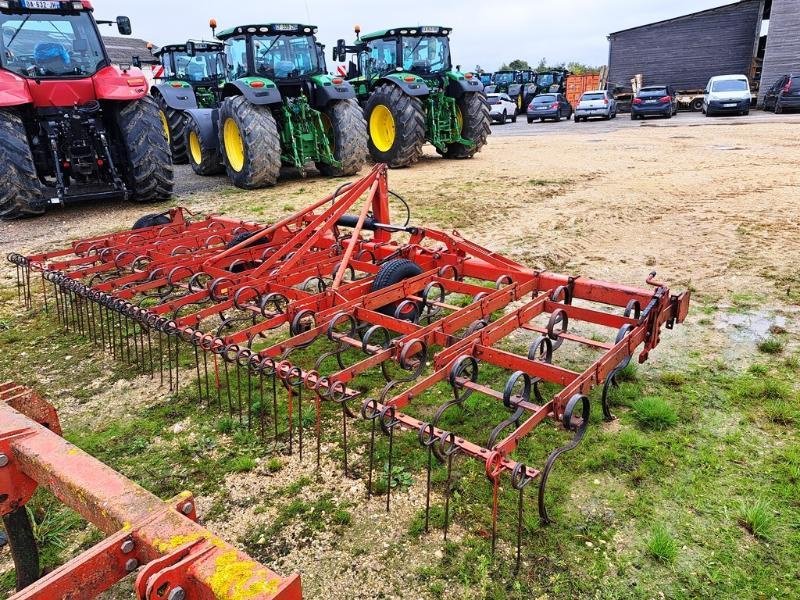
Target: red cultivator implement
column 178, row 558
column 319, row 301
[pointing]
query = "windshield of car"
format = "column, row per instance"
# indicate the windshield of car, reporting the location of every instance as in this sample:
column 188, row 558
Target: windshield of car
column 204, row 66
column 652, row 92
column 426, row 54
column 594, row 96
column 285, row 56
column 503, row 77
column 730, row 85
column 493, row 98
column 50, row 45
column 543, row 99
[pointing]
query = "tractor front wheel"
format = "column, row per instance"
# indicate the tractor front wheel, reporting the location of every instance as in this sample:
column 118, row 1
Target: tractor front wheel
column 203, row 160
column 20, row 191
column 475, row 126
column 396, row 126
column 347, row 132
column 251, row 147
column 174, row 124
column 147, row 164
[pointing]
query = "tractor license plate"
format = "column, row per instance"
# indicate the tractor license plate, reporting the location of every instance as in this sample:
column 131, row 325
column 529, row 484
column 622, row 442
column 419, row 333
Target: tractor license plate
column 43, row 4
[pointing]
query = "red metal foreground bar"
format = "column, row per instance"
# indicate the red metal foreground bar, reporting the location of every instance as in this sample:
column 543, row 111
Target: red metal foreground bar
column 176, row 557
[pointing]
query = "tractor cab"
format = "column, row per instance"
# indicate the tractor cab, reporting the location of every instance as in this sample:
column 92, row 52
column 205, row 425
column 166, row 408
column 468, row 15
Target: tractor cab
column 551, row 81
column 486, row 78
column 195, row 63
column 50, row 39
column 503, row 79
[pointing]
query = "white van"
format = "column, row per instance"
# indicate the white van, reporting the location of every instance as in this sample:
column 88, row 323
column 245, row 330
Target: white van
column 727, row 94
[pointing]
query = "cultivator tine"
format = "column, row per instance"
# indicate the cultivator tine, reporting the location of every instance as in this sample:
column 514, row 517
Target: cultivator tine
column 368, row 303
column 519, row 481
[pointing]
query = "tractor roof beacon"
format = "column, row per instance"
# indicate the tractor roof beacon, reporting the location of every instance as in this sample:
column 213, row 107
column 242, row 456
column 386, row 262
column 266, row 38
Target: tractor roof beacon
column 72, row 125
column 277, row 106
column 190, row 77
column 405, row 80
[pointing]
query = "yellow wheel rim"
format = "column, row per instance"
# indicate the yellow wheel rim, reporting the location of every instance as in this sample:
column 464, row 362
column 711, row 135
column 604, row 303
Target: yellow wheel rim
column 519, row 102
column 234, row 145
column 327, row 126
column 381, row 128
column 165, row 125
column 194, row 148
column 460, row 120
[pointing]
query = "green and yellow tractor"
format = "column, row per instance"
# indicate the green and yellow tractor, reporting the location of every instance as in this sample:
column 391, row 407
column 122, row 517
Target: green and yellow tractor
column 405, row 80
column 189, row 76
column 277, row 107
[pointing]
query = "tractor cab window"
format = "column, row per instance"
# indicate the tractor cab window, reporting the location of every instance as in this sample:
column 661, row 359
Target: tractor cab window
column 236, row 55
column 426, row 54
column 380, row 57
column 50, row 45
column 545, row 80
column 503, row 78
column 285, row 56
column 204, row 66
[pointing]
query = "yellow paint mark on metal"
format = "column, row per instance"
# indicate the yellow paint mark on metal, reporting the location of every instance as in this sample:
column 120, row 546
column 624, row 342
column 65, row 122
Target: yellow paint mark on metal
column 232, row 576
column 73, row 451
column 126, row 526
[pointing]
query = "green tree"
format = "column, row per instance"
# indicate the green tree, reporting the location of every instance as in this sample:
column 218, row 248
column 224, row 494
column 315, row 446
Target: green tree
column 519, row 65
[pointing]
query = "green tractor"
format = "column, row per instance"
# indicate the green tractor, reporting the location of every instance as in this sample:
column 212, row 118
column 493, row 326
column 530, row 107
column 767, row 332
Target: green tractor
column 277, row 107
column 189, row 76
column 551, row 81
column 411, row 94
column 519, row 85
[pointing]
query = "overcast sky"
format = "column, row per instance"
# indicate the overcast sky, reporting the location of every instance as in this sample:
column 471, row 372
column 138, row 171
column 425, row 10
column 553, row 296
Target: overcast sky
column 485, row 32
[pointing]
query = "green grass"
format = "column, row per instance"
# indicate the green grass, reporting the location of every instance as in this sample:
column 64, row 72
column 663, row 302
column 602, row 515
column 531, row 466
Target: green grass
column 654, row 412
column 661, row 545
column 771, row 346
column 757, row 517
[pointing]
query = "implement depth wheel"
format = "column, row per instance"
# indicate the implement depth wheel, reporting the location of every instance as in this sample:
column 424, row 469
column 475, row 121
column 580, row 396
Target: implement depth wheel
column 174, row 124
column 203, row 160
column 347, row 131
column 396, row 126
column 251, row 148
column 148, row 168
column 475, row 125
column 21, row 194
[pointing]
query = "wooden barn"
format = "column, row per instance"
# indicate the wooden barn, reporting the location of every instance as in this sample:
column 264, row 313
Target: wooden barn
column 686, row 51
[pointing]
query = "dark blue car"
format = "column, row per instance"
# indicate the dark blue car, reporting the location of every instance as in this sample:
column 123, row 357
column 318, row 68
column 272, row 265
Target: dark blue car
column 654, row 101
column 549, row 106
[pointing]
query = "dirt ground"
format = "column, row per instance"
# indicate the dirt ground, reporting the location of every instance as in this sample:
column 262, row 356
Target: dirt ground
column 709, row 206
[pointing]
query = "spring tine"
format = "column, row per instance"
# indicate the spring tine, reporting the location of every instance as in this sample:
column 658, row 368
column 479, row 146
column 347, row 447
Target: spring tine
column 519, row 528
column 205, row 373
column 143, row 363
column 239, row 390
column 344, row 437
column 448, row 491
column 290, row 409
column 318, row 429
column 495, row 509
column 275, row 404
column 389, row 474
column 249, row 401
column 19, row 285
column 100, row 320
column 44, row 295
column 197, row 368
column 228, row 387
column 150, row 353
column 371, row 459
column 135, row 343
column 217, row 382
column 28, row 299
column 58, row 303
column 261, row 421
column 300, row 423
column 177, row 362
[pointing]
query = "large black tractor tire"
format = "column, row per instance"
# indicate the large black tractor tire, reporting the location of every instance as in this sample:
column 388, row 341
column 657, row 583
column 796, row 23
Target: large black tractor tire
column 396, row 126
column 21, row 194
column 475, row 114
column 147, row 162
column 203, row 159
column 174, row 123
column 391, row 273
column 348, row 135
column 151, row 220
column 249, row 142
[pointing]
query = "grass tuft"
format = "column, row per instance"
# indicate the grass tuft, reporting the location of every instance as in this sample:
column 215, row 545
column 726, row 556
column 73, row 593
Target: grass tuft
column 783, row 412
column 661, row 545
column 757, row 518
column 654, row 412
column 242, row 464
column 771, row 346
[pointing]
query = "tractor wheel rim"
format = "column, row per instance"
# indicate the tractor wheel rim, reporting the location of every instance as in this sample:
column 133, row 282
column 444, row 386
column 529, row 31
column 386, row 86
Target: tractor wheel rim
column 194, row 148
column 234, row 145
column 460, row 120
column 327, row 127
column 381, row 128
column 165, row 125
column 519, row 102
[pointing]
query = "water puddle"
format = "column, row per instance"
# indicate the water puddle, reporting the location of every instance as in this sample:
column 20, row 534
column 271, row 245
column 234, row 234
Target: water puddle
column 751, row 326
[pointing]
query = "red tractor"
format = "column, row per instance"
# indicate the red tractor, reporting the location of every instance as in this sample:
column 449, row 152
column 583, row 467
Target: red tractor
column 72, row 125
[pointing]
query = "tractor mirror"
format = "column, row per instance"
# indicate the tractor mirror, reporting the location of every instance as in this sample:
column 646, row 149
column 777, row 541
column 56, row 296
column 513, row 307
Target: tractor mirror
column 191, row 50
column 137, row 62
column 340, row 51
column 124, row 26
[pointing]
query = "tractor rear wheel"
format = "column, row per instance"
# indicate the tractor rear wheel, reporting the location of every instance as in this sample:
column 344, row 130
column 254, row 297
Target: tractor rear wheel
column 174, row 123
column 203, row 160
column 248, row 137
column 147, row 164
column 475, row 126
column 347, row 132
column 21, row 194
column 396, row 126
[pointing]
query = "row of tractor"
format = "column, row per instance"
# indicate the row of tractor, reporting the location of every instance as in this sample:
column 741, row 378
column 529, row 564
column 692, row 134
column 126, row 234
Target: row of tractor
column 522, row 86
column 256, row 99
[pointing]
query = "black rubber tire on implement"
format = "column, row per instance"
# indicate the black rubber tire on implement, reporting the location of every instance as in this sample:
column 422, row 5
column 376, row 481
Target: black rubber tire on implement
column 21, row 194
column 262, row 145
column 245, row 235
column 409, row 122
column 147, row 163
column 475, row 112
column 349, row 130
column 390, row 273
column 177, row 121
column 151, row 220
column 210, row 158
column 696, row 105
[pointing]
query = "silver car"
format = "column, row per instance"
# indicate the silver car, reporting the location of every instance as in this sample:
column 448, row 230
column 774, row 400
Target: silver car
column 596, row 103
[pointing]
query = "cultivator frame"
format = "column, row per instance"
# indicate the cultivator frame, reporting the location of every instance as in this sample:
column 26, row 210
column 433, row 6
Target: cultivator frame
column 178, row 557
column 238, row 295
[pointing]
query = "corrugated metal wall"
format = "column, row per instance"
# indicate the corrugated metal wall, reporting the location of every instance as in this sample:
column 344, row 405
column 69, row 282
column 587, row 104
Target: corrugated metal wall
column 783, row 43
column 686, row 51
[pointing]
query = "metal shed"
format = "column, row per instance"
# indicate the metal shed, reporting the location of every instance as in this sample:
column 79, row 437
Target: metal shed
column 782, row 53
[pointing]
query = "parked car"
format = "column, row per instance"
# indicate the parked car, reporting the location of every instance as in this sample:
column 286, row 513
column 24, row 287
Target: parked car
column 655, row 100
column 549, row 106
column 596, row 103
column 727, row 94
column 784, row 94
column 501, row 107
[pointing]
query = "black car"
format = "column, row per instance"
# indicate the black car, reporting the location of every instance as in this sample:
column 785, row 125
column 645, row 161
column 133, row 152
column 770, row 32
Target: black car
column 549, row 106
column 785, row 94
column 655, row 100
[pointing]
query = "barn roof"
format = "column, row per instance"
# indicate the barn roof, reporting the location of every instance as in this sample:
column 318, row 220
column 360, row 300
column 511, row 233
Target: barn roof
column 689, row 16
column 123, row 49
